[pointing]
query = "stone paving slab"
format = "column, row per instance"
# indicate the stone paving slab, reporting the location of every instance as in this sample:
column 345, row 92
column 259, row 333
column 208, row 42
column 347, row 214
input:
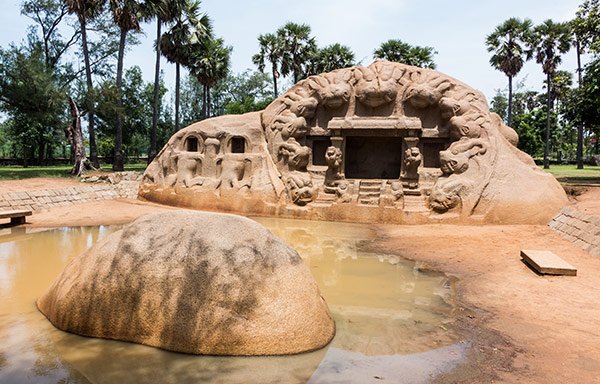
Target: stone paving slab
column 547, row 263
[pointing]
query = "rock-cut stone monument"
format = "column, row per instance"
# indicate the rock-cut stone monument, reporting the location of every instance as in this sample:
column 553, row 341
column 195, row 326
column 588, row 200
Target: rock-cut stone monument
column 384, row 143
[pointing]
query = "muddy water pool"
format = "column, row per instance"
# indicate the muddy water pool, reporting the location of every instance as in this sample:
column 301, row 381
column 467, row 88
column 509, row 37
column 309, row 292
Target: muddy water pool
column 393, row 318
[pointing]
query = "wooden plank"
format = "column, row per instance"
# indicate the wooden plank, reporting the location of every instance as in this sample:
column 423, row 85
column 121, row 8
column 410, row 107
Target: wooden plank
column 16, row 213
column 548, row 263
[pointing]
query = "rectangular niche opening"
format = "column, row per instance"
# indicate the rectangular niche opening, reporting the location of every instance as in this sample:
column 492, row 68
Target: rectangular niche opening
column 431, row 153
column 191, row 144
column 319, row 147
column 373, row 157
column 238, row 144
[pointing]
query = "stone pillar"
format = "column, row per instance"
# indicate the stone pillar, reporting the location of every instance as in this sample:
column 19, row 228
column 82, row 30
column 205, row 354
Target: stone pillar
column 339, row 142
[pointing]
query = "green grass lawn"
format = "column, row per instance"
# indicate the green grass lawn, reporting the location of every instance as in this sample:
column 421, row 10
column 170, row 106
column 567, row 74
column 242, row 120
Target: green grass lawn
column 571, row 175
column 17, row 173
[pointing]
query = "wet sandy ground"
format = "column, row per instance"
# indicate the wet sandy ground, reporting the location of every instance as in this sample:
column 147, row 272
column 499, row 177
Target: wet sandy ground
column 526, row 328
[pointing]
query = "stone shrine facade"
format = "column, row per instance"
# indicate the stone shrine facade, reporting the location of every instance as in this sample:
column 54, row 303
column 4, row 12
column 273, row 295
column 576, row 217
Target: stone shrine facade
column 387, row 143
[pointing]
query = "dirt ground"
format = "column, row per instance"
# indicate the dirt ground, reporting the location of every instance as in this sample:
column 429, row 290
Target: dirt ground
column 525, row 328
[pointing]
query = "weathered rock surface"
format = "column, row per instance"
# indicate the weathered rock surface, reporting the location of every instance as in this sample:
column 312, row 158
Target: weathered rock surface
column 193, row 282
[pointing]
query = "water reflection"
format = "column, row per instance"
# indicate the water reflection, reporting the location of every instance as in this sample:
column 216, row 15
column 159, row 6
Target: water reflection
column 389, row 315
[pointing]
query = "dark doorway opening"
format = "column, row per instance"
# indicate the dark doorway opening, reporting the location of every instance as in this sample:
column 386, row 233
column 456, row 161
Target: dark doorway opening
column 373, row 157
column 431, row 153
column 319, row 147
column 191, row 144
column 238, row 144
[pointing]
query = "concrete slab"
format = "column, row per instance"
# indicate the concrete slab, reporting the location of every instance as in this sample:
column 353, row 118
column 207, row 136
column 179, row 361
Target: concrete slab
column 547, row 263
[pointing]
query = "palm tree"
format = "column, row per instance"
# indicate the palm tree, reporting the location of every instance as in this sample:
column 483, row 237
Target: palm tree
column 583, row 27
column 508, row 43
column 126, row 14
column 210, row 65
column 86, row 10
column 550, row 40
column 298, row 49
column 177, row 44
column 271, row 50
column 401, row 52
column 330, row 58
column 164, row 11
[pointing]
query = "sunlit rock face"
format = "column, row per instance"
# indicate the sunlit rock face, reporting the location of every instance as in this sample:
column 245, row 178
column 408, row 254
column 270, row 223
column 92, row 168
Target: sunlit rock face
column 193, row 282
column 386, row 143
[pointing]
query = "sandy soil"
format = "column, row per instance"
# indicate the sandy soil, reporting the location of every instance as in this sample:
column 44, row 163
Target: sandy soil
column 525, row 328
column 37, row 183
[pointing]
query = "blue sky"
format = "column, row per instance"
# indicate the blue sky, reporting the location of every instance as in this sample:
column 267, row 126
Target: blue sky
column 456, row 29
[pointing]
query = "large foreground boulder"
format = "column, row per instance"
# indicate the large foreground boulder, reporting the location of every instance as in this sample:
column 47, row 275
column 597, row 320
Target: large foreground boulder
column 193, row 282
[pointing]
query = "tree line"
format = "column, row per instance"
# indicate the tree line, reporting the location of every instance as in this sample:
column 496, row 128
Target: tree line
column 565, row 121
column 75, row 50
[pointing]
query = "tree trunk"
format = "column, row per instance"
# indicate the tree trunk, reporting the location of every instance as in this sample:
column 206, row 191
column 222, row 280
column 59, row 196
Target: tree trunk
column 274, row 71
column 155, row 101
column 208, row 109
column 177, row 78
column 510, row 95
column 548, row 111
column 204, row 104
column 118, row 161
column 41, row 150
column 90, row 104
column 580, row 124
column 75, row 138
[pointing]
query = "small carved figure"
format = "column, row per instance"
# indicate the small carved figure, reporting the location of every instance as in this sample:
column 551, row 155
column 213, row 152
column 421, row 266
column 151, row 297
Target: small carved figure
column 300, row 187
column 455, row 159
column 301, row 105
column 450, row 106
column 412, row 160
column 335, row 181
column 397, row 194
column 293, row 154
column 235, row 172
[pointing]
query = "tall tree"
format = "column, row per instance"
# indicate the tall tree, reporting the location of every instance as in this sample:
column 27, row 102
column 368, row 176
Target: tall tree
column 550, row 40
column 86, row 10
column 126, row 15
column 508, row 43
column 187, row 33
column 298, row 48
column 210, row 65
column 331, row 57
column 401, row 52
column 586, row 35
column 164, row 11
column 271, row 50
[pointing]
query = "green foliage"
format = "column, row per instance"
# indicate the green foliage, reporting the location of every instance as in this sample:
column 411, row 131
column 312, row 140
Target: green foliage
column 330, row 58
column 298, row 50
column 586, row 26
column 508, row 44
column 401, row 52
column 499, row 104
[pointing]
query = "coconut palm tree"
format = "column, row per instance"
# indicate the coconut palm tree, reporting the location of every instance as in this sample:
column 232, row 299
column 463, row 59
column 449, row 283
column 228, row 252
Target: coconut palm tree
column 401, row 52
column 271, row 50
column 126, row 14
column 550, row 40
column 209, row 65
column 86, row 10
column 332, row 57
column 298, row 49
column 177, row 45
column 508, row 43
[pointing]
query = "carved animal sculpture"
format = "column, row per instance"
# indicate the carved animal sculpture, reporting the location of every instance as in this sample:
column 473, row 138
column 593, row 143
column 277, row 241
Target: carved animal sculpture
column 378, row 84
column 455, row 159
column 428, row 93
column 447, row 195
column 331, row 90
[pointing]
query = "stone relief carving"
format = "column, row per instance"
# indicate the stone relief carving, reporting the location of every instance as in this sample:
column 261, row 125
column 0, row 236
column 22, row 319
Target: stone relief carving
column 427, row 109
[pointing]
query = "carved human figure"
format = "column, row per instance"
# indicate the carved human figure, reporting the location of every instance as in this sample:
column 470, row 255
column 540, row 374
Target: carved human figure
column 412, row 160
column 235, row 173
